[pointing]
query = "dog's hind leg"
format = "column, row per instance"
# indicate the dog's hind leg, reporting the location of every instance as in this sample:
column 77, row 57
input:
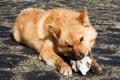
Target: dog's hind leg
column 16, row 34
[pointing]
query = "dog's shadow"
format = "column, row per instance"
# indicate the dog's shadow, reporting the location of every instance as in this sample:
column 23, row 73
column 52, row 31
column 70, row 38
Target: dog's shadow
column 41, row 75
column 6, row 75
column 6, row 34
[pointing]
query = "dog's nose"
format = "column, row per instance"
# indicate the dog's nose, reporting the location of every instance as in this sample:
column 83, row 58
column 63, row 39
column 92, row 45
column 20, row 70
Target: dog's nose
column 81, row 55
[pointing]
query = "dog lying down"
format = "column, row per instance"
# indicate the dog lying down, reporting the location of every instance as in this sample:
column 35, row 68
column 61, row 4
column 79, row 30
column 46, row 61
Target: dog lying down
column 57, row 32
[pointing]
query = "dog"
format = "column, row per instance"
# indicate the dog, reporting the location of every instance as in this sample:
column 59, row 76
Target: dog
column 57, row 32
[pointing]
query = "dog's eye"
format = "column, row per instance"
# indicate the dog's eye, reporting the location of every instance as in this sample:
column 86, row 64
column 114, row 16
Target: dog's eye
column 81, row 39
column 69, row 46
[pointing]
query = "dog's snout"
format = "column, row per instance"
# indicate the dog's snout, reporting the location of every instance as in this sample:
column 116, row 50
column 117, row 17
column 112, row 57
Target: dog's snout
column 81, row 55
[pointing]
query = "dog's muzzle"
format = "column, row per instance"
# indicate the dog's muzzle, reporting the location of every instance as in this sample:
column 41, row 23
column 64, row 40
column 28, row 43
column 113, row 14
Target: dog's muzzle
column 82, row 55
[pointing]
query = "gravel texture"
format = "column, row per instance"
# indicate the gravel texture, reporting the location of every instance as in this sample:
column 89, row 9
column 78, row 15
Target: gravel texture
column 18, row 62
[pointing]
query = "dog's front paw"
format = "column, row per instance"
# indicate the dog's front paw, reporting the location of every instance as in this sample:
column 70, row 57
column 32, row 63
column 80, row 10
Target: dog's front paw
column 66, row 70
column 96, row 69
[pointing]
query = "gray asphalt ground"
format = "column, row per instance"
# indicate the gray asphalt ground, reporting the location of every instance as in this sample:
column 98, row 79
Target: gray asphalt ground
column 18, row 62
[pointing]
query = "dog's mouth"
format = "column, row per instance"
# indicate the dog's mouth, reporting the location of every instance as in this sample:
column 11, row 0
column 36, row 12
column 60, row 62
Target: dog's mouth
column 79, row 57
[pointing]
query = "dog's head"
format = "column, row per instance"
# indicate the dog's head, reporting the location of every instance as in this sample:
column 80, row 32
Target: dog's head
column 76, row 40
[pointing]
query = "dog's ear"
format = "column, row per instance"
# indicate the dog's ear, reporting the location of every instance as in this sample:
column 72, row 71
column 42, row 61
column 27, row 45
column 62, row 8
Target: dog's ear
column 55, row 31
column 83, row 17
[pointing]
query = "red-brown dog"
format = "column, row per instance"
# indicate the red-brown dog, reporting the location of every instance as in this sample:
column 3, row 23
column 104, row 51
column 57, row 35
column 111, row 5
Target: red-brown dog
column 57, row 31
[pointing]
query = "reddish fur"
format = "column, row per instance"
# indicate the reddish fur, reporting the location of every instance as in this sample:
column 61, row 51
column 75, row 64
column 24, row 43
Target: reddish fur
column 50, row 31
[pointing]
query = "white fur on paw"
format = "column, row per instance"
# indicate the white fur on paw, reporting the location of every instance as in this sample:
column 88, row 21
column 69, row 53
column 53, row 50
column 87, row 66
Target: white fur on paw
column 67, row 71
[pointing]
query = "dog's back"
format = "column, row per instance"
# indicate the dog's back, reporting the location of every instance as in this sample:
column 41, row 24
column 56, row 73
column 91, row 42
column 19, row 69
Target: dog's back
column 25, row 27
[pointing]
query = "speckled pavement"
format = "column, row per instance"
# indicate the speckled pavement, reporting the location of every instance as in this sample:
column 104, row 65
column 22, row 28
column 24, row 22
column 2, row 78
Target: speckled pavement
column 18, row 62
